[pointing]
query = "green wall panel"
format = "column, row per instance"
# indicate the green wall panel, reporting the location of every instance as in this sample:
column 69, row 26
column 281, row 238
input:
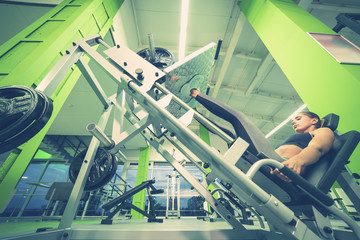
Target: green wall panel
column 323, row 84
column 10, row 59
column 101, row 17
column 66, row 12
column 45, row 29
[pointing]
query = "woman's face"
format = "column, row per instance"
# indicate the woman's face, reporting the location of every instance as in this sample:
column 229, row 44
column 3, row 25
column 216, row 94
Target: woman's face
column 302, row 123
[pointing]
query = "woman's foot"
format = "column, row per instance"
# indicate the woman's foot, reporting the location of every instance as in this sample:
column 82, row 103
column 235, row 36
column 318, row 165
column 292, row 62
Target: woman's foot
column 194, row 92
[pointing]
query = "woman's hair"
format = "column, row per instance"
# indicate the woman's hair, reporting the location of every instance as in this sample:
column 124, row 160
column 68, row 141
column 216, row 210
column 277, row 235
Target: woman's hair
column 313, row 115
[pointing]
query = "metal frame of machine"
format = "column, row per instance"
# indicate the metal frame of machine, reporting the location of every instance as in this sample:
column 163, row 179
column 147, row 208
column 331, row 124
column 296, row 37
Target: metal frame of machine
column 151, row 119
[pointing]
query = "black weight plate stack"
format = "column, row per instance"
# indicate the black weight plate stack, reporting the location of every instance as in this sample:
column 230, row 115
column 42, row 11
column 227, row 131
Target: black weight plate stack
column 23, row 113
column 163, row 57
column 101, row 172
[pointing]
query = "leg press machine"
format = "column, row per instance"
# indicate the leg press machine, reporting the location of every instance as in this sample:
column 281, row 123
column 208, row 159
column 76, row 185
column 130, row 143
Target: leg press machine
column 243, row 170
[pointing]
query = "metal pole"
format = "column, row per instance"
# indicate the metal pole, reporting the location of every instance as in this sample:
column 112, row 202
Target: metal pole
column 77, row 191
column 167, row 196
column 178, row 195
column 151, row 47
column 100, row 135
column 99, row 40
column 33, row 189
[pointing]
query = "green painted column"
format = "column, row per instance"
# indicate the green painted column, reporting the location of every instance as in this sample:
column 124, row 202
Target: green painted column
column 325, row 85
column 27, row 57
column 141, row 175
column 205, row 136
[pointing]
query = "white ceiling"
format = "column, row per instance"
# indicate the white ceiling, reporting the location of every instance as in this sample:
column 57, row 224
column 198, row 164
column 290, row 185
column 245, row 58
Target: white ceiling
column 245, row 75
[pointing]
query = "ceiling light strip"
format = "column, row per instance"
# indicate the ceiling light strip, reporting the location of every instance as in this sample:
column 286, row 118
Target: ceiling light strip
column 183, row 27
column 286, row 120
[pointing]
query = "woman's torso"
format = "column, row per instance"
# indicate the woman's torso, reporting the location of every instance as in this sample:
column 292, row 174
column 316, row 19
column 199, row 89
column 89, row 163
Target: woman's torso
column 294, row 145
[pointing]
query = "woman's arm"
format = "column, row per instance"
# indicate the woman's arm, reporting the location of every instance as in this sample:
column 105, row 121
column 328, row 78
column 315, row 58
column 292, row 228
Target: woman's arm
column 320, row 144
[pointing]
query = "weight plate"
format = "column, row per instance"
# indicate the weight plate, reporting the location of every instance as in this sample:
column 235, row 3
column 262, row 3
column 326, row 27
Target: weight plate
column 163, row 57
column 23, row 113
column 101, row 172
column 18, row 106
column 100, row 169
column 107, row 178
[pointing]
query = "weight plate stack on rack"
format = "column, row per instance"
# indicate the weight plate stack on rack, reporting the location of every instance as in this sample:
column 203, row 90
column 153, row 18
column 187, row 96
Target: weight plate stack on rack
column 163, row 57
column 23, row 113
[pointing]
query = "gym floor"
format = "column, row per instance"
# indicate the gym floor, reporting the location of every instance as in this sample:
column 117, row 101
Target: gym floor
column 173, row 228
column 184, row 228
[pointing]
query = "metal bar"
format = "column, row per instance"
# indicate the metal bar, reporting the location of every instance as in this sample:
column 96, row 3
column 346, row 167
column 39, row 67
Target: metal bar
column 33, row 189
column 348, row 220
column 108, row 68
column 125, row 136
column 103, row 43
column 178, row 196
column 119, row 112
column 229, row 52
column 256, row 166
column 91, row 79
column 187, row 155
column 100, row 135
column 52, row 80
column 86, row 207
column 77, row 191
column 167, row 196
column 350, row 187
column 151, row 47
column 262, row 72
column 349, row 20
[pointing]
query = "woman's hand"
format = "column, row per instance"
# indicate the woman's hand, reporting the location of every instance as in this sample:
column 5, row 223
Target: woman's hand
column 294, row 165
column 280, row 175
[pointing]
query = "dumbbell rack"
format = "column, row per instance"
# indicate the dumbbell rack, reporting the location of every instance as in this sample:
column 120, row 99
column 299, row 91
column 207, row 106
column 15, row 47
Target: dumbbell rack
column 158, row 126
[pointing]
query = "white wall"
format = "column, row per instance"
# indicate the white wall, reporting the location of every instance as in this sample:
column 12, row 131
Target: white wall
column 124, row 28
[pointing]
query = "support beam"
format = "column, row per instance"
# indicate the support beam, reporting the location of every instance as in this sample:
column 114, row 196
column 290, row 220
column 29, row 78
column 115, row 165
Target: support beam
column 265, row 67
column 229, row 53
column 336, row 8
column 223, row 52
column 269, row 95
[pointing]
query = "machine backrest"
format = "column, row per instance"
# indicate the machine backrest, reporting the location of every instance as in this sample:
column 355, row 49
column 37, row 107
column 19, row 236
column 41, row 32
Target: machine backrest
column 331, row 121
column 324, row 173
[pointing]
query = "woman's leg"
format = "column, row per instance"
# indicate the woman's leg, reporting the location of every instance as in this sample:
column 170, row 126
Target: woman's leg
column 214, row 106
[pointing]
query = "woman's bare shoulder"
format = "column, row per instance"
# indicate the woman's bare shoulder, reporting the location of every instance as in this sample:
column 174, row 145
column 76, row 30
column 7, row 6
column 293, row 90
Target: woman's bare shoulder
column 324, row 131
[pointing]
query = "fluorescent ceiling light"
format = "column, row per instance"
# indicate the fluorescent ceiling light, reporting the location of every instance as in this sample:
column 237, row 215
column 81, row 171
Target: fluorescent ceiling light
column 286, row 120
column 183, row 27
